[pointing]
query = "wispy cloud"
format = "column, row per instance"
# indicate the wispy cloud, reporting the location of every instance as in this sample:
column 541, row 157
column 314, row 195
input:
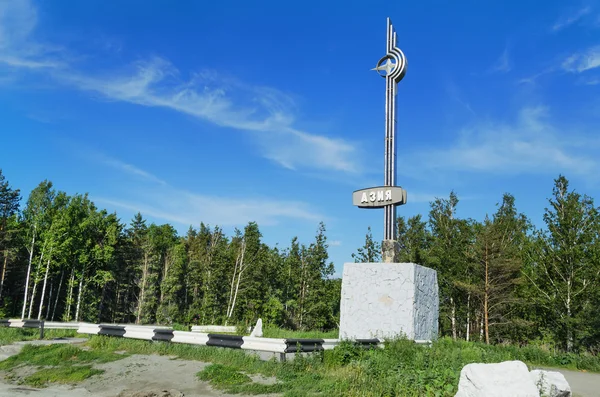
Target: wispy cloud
column 583, row 61
column 158, row 199
column 503, row 63
column 335, row 243
column 18, row 19
column 530, row 145
column 571, row 18
column 131, row 169
column 266, row 113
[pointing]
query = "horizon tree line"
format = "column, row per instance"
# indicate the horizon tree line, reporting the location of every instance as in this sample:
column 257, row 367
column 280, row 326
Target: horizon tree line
column 502, row 280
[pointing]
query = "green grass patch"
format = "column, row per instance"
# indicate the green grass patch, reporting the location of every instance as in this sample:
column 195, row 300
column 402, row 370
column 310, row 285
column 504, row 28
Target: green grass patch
column 63, row 374
column 58, row 363
column 223, row 375
column 11, row 335
column 402, row 368
column 57, row 355
column 275, row 332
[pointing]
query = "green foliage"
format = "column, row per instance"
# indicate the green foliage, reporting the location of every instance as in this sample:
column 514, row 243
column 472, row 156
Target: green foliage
column 401, row 368
column 501, row 280
column 10, row 335
column 223, row 375
column 64, row 375
column 58, row 363
column 57, row 354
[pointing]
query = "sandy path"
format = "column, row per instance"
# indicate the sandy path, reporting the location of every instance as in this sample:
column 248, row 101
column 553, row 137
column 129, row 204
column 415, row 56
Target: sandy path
column 133, row 376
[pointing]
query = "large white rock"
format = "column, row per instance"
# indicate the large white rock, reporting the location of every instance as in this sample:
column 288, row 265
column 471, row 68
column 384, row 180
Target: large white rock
column 385, row 300
column 508, row 378
column 551, row 383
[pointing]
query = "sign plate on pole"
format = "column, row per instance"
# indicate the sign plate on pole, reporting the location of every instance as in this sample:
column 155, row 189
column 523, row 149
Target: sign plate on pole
column 379, row 197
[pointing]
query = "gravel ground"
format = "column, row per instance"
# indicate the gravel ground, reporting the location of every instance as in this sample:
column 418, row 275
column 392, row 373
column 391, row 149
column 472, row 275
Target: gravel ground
column 133, row 376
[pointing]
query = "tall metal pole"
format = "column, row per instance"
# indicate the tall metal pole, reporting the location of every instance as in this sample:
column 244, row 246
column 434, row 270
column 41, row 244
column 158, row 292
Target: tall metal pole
column 393, row 68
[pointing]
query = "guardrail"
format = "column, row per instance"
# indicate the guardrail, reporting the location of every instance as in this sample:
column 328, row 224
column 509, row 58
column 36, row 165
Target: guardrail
column 272, row 345
column 282, row 346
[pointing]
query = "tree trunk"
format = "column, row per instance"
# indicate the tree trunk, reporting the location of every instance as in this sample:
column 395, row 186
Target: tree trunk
column 240, row 269
column 235, row 270
column 62, row 275
column 143, row 289
column 481, row 328
column 32, row 300
column 79, row 295
column 49, row 302
column 4, row 265
column 36, row 279
column 486, row 298
column 453, row 318
column 570, row 338
column 468, row 317
column 70, row 295
column 28, row 275
column 44, row 287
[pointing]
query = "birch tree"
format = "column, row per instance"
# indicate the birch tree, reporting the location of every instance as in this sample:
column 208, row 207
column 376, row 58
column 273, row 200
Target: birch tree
column 564, row 261
column 35, row 215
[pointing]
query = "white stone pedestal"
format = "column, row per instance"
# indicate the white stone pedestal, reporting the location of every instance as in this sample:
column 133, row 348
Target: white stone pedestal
column 384, row 300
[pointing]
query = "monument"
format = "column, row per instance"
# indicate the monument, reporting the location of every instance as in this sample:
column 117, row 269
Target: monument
column 388, row 299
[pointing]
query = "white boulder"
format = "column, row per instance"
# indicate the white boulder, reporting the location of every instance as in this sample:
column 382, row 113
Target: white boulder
column 508, row 378
column 551, row 383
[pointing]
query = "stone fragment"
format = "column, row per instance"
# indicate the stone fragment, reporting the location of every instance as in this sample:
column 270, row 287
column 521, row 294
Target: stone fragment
column 551, row 383
column 257, row 331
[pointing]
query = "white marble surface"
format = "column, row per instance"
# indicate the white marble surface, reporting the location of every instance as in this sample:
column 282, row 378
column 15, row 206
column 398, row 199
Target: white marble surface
column 384, row 300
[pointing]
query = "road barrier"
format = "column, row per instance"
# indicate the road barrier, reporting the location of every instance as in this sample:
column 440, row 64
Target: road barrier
column 282, row 346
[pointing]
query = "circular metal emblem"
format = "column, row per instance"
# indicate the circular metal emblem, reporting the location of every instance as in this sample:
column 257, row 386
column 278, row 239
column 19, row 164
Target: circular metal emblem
column 386, row 65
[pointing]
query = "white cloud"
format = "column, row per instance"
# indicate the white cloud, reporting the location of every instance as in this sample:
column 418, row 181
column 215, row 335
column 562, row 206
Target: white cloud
column 503, row 64
column 186, row 208
column 266, row 113
column 578, row 63
column 568, row 20
column 164, row 201
column 335, row 243
column 530, row 145
column 18, row 19
column 131, row 169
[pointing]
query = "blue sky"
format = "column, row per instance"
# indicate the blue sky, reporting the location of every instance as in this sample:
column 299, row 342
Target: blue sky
column 232, row 111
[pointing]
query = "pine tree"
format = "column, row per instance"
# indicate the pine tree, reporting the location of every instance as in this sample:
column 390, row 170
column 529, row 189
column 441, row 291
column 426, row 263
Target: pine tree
column 9, row 207
column 370, row 252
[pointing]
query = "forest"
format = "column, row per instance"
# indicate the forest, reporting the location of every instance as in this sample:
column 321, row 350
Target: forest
column 502, row 279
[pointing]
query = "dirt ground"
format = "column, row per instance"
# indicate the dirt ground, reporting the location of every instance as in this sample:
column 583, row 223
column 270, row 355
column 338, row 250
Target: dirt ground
column 162, row 376
column 133, row 376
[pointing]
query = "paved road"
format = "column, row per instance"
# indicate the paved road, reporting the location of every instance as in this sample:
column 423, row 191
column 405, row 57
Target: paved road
column 583, row 384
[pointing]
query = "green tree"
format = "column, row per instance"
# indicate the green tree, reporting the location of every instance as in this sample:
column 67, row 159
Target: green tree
column 564, row 263
column 413, row 240
column 370, row 252
column 9, row 208
column 36, row 217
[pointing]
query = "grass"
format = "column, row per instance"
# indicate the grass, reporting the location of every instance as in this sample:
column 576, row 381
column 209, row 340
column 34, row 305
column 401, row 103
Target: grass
column 274, row 332
column 402, row 368
column 64, row 374
column 10, row 335
column 59, row 363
